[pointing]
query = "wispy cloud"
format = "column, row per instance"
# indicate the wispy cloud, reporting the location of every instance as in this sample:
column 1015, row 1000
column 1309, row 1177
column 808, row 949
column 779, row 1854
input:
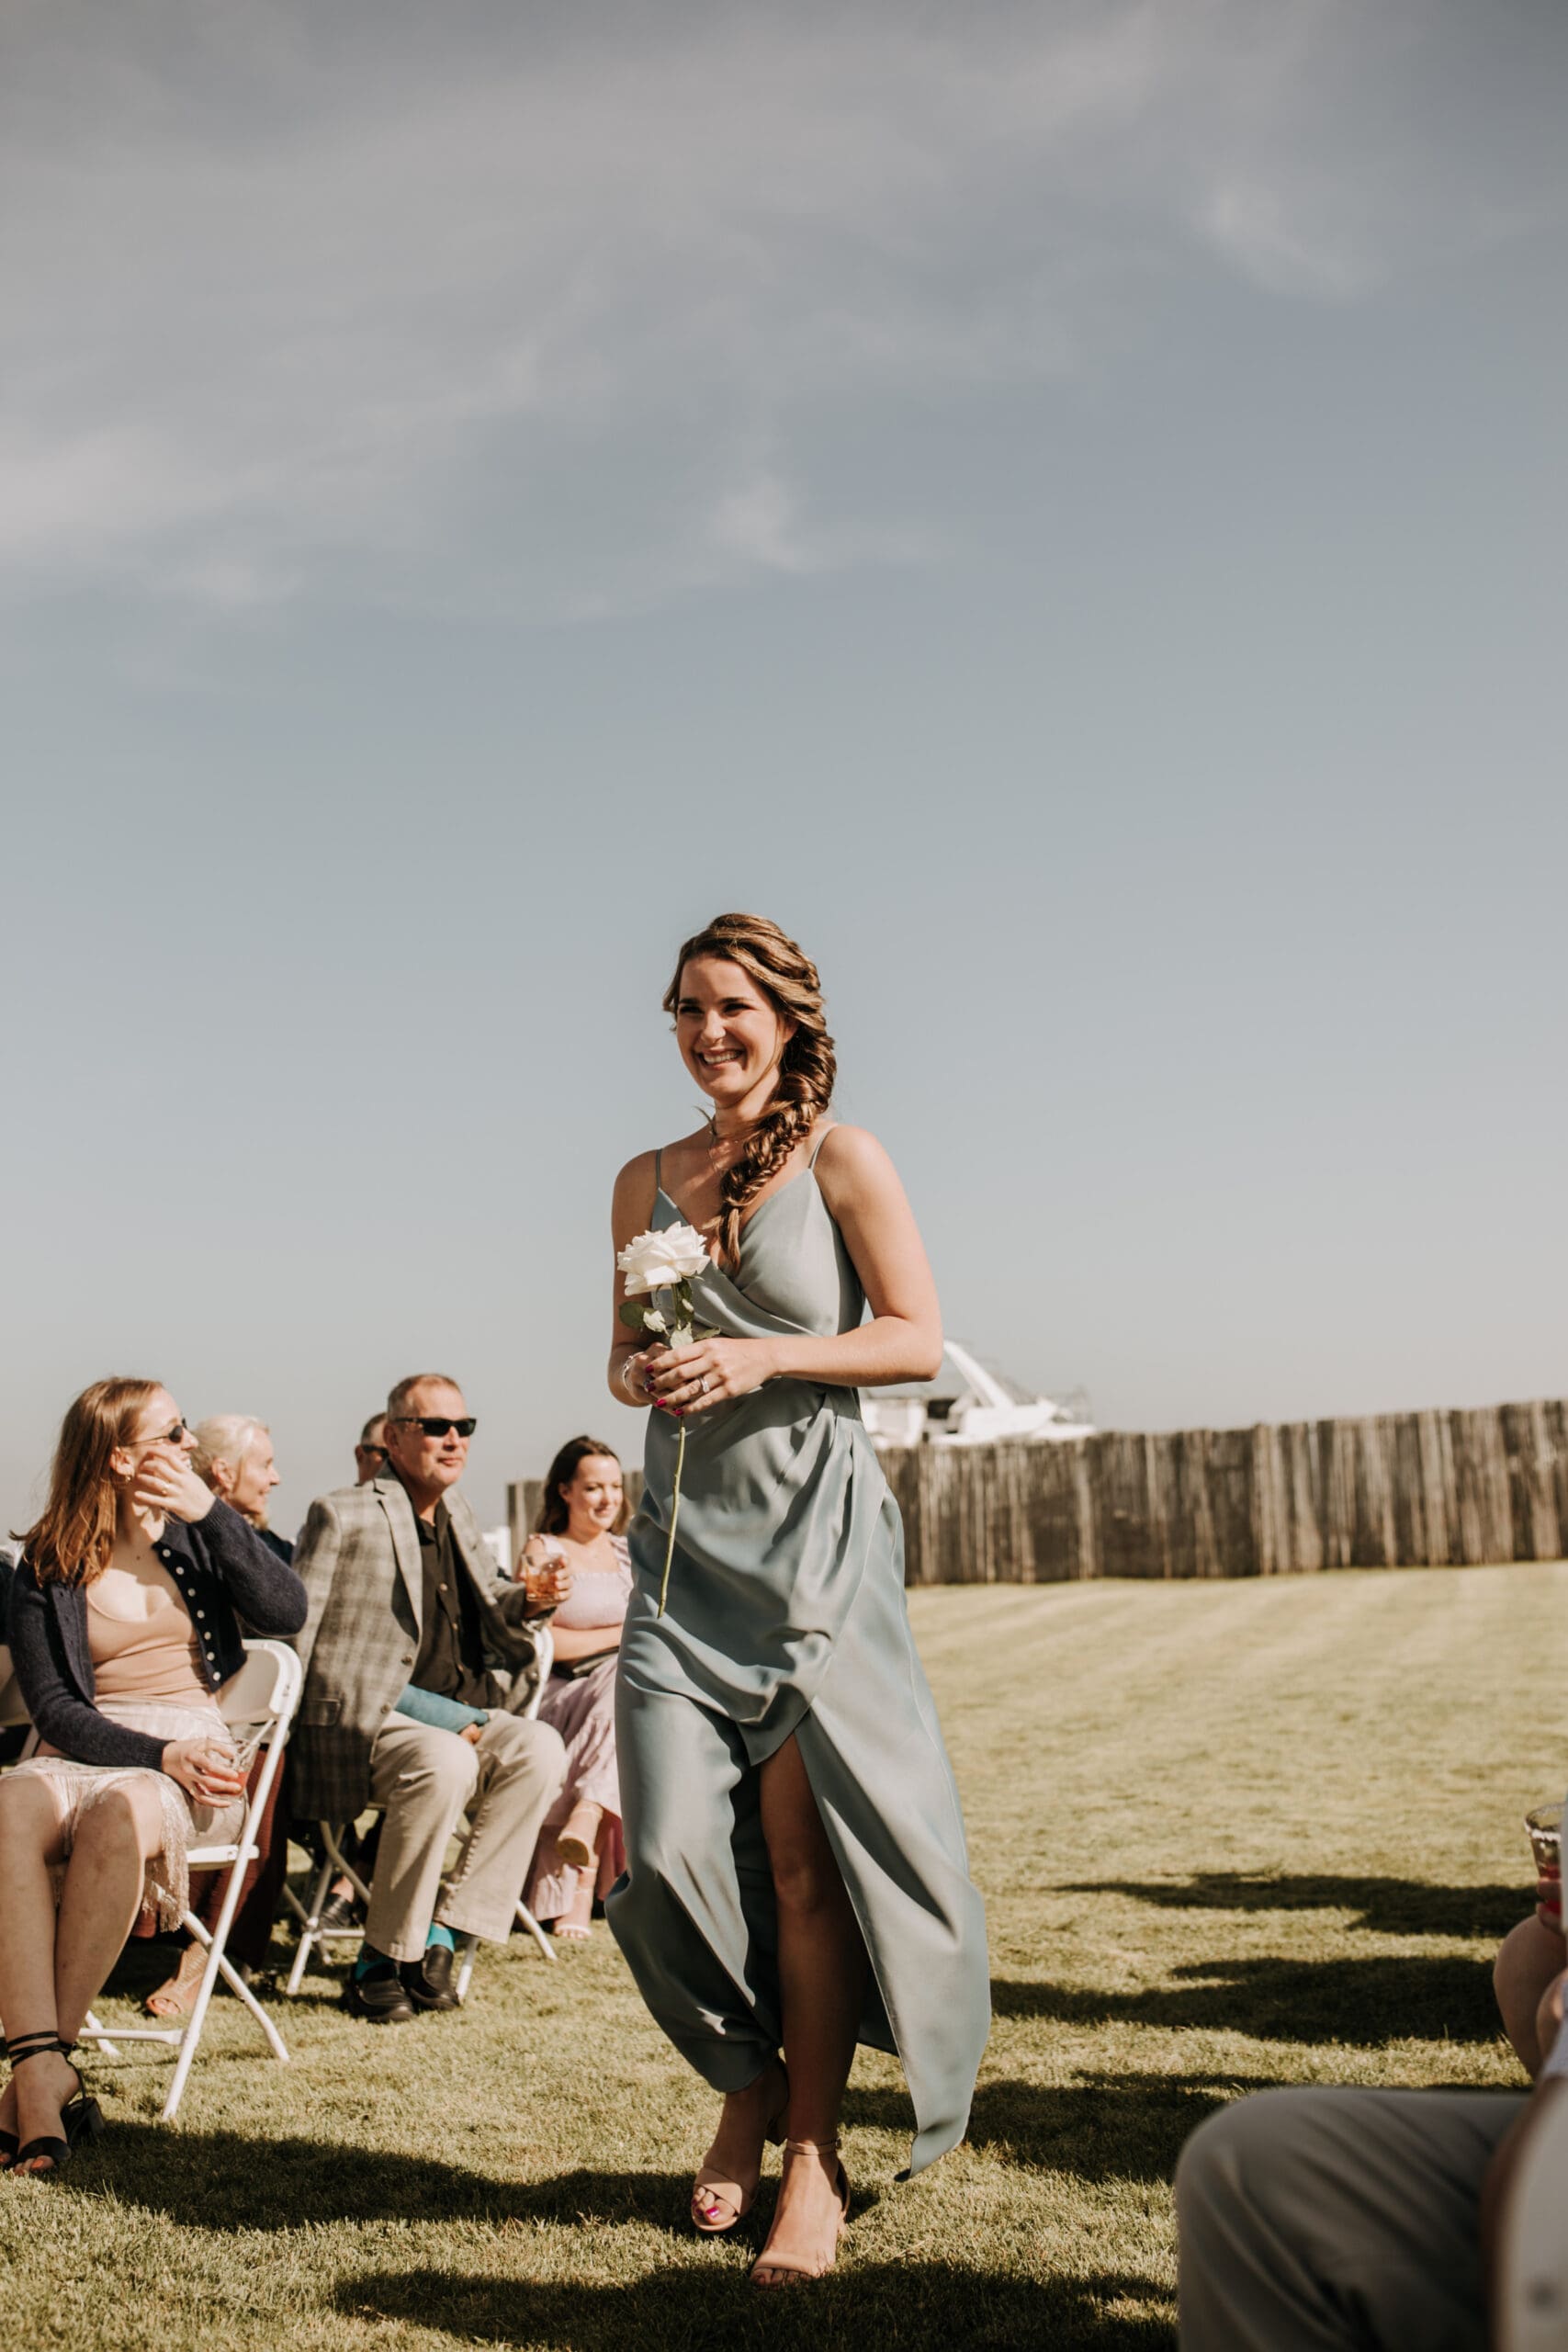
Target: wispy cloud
column 296, row 301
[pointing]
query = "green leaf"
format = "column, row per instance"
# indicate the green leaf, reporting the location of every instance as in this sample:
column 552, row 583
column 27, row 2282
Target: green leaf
column 633, row 1316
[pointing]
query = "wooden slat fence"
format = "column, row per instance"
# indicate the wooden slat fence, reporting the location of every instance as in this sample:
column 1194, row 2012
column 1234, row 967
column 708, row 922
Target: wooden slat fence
column 1401, row 1490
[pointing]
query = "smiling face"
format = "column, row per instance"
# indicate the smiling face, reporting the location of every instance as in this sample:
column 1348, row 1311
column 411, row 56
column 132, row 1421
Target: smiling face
column 254, row 1480
column 592, row 1496
column 428, row 1464
column 730, row 1033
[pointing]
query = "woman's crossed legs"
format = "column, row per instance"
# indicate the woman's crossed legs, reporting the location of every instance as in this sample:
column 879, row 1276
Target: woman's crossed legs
column 52, row 1966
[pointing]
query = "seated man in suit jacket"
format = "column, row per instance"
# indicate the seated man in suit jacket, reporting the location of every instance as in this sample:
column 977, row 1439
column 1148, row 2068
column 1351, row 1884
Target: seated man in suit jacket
column 413, row 1655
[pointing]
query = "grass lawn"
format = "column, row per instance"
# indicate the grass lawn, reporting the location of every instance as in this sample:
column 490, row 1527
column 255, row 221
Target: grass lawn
column 1229, row 1835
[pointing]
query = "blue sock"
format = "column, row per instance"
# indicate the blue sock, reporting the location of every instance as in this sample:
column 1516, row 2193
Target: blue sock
column 442, row 1936
column 370, row 1962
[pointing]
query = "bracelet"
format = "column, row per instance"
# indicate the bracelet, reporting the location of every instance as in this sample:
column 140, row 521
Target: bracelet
column 636, row 1395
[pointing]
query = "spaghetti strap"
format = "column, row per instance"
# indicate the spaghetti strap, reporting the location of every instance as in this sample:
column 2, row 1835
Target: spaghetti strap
column 824, row 1130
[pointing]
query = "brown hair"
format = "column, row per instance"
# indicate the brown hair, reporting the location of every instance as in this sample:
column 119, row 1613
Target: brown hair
column 554, row 1517
column 73, row 1538
column 788, row 979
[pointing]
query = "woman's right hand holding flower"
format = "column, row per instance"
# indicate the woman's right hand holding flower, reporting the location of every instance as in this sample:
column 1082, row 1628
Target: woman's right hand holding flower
column 204, row 1769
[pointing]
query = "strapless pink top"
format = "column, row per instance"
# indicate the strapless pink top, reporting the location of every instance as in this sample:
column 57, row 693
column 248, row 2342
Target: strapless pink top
column 598, row 1596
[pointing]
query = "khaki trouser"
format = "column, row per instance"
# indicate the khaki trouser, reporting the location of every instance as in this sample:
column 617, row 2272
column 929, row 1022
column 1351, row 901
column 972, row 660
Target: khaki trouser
column 1319, row 2220
column 424, row 1781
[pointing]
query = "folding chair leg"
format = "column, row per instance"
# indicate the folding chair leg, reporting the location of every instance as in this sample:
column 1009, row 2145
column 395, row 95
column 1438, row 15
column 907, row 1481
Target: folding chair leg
column 466, row 1965
column 238, row 1986
column 190, row 2039
column 90, row 2026
column 307, row 1933
column 525, row 1919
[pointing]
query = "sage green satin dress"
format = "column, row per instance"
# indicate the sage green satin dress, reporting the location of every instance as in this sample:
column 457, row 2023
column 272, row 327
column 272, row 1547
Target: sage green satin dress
column 786, row 1614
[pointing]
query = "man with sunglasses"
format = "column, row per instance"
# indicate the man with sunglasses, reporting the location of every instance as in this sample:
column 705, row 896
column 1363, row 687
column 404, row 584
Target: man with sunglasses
column 417, row 1660
column 370, row 1453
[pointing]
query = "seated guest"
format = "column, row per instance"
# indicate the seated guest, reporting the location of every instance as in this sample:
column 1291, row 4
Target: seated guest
column 413, row 1655
column 232, row 1455
column 1378, row 2220
column 124, row 1624
column 342, row 1907
column 1529, row 1960
column 370, row 1453
column 580, row 1853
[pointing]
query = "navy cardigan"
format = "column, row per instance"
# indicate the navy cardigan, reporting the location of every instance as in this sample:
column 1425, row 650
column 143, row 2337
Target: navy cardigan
column 223, row 1572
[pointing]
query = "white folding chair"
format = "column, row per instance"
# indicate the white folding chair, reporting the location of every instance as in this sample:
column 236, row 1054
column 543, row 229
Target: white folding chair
column 336, row 1865
column 260, row 1699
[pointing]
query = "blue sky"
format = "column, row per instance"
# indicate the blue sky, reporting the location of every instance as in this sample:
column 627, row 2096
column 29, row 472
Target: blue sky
column 1062, row 507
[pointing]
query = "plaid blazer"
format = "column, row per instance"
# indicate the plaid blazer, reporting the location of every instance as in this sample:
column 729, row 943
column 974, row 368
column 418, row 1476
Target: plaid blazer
column 359, row 1561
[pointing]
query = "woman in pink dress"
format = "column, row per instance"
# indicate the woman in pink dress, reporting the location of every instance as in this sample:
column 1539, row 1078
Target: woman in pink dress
column 580, row 1853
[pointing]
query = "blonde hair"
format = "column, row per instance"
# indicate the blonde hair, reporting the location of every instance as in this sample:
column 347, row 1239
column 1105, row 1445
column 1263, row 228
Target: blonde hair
column 807, row 1068
column 224, row 1437
column 72, row 1540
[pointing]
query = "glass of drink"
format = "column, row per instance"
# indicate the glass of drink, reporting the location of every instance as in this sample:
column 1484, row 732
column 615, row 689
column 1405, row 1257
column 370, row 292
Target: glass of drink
column 543, row 1571
column 1545, row 1827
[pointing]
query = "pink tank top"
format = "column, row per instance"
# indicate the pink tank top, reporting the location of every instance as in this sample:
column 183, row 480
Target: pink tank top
column 598, row 1596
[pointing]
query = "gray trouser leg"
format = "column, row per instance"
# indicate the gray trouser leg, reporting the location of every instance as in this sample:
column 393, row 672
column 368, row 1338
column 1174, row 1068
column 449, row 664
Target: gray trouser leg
column 1337, row 2220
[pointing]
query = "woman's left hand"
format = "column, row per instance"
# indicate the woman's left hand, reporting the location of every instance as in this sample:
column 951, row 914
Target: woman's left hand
column 165, row 1483
column 709, row 1373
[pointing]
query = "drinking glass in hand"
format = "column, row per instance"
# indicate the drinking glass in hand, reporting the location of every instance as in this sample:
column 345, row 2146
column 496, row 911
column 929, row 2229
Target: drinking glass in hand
column 544, row 1572
column 1545, row 1827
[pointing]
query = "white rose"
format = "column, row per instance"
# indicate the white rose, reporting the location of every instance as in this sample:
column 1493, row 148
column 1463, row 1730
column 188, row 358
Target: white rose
column 659, row 1260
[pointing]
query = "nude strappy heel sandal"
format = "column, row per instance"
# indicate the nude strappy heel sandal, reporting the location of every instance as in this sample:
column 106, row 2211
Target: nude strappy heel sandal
column 788, row 2264
column 710, row 2184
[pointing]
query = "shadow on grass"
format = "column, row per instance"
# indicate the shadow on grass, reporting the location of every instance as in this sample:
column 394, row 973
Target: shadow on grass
column 222, row 2180
column 1387, row 1906
column 1101, row 2127
column 908, row 2305
column 1369, row 2002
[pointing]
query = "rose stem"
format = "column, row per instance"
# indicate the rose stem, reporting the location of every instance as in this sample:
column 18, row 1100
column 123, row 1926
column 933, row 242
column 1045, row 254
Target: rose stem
column 674, row 1515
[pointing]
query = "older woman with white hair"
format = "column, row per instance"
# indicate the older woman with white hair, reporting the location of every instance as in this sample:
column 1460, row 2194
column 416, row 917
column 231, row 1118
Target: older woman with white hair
column 233, row 1454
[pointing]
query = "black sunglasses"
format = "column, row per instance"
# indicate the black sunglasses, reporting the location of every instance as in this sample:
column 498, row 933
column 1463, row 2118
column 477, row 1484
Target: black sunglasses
column 378, row 1450
column 438, row 1424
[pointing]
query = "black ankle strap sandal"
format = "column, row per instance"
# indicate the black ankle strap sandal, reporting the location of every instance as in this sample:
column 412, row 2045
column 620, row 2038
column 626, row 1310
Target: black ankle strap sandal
column 81, row 2118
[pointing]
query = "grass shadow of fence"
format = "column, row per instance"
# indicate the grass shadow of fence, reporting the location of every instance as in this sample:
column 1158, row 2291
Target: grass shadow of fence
column 700, row 2308
column 224, row 2180
column 1100, row 2127
column 1369, row 2002
column 1385, row 1906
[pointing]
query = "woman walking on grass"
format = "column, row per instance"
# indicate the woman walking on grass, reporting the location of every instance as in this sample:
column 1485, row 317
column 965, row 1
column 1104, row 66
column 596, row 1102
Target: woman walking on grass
column 796, row 1875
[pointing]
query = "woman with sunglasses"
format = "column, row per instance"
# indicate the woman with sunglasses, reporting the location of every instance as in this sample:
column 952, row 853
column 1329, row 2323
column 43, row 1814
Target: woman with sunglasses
column 124, row 1625
column 796, row 1876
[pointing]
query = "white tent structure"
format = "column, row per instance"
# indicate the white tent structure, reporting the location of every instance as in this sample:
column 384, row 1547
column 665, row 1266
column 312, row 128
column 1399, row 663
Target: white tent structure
column 968, row 1403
